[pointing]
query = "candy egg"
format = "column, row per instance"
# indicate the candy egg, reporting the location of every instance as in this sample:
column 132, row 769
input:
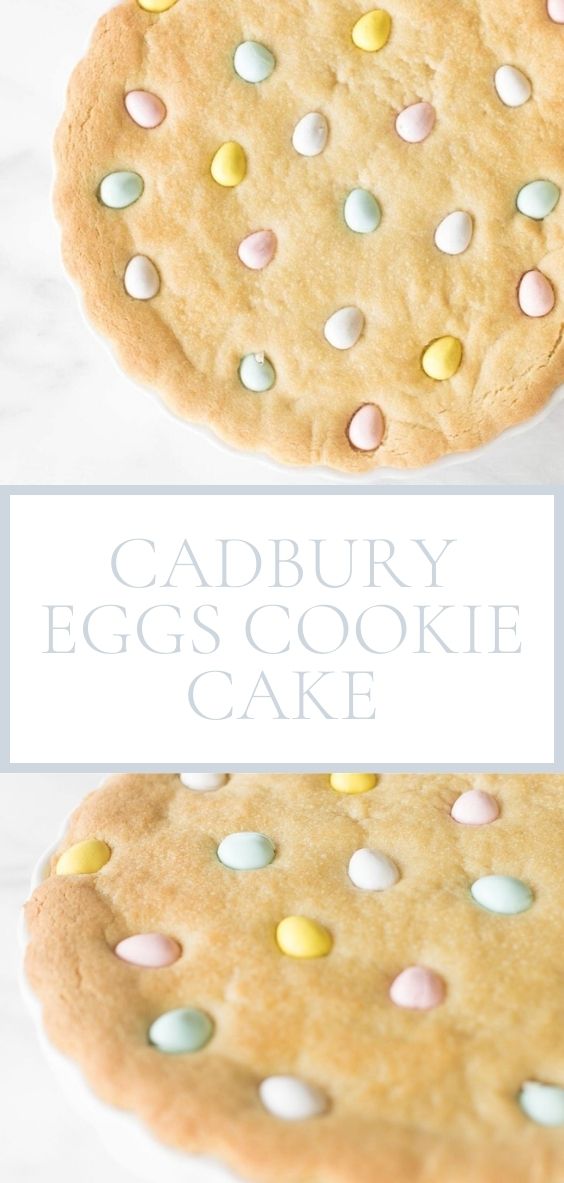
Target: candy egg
column 146, row 110
column 536, row 294
column 203, row 782
column 353, row 782
column 502, row 894
column 416, row 122
column 543, row 1103
column 344, row 327
column 372, row 31
column 454, row 234
column 311, row 134
column 362, row 212
column 183, row 1030
column 371, row 870
column 513, row 87
column 555, row 10
column 246, row 851
column 442, row 357
column 253, row 62
column 229, row 165
column 291, row 1099
column 257, row 250
column 257, row 373
column 156, row 5
column 141, row 278
column 417, row 988
column 298, row 936
column 118, row 190
column 84, row 858
column 475, row 808
column 149, row 950
column 366, row 429
column 538, row 199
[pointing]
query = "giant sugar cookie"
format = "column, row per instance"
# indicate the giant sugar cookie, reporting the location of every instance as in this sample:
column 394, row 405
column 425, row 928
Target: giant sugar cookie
column 315, row 979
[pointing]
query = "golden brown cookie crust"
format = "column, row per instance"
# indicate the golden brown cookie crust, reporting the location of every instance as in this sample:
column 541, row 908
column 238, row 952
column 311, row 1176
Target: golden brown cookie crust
column 414, row 1097
column 188, row 341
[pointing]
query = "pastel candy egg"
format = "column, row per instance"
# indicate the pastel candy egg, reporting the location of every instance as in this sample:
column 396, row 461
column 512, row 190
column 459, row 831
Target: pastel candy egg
column 475, row 808
column 371, row 870
column 141, row 278
column 183, row 1030
column 442, row 357
column 555, row 10
column 353, row 782
column 366, row 429
column 291, row 1099
column 513, row 87
column 253, row 62
column 149, row 950
column 84, row 858
column 298, row 936
column 246, row 851
column 344, row 327
column 536, row 294
column 156, row 5
column 146, row 110
column 454, row 234
column 417, row 988
column 416, row 122
column 120, row 189
column 203, row 782
column 538, row 199
column 257, row 373
column 257, row 250
column 311, row 134
column 372, row 31
column 229, row 165
column 362, row 212
column 502, row 894
column 543, row 1103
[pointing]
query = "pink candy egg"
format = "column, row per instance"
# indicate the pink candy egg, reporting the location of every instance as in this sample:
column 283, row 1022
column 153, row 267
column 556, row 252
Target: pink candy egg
column 417, row 988
column 475, row 808
column 145, row 109
column 556, row 11
column 536, row 294
column 150, row 950
column 258, row 250
column 366, row 428
column 416, row 122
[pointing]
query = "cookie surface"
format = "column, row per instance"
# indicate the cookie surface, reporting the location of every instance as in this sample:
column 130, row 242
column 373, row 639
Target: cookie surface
column 336, row 235
column 309, row 982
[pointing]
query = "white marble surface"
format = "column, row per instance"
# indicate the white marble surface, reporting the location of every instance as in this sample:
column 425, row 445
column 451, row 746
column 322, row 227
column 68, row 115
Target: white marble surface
column 66, row 413
column 42, row 1136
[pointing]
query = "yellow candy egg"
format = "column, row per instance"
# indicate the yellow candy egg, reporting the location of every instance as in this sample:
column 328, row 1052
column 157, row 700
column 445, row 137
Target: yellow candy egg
column 156, row 5
column 84, row 858
column 353, row 782
column 372, row 30
column 441, row 359
column 229, row 165
column 298, row 936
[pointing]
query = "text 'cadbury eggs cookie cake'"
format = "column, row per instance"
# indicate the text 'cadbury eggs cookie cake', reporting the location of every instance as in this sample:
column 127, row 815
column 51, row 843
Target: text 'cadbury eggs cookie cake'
column 334, row 234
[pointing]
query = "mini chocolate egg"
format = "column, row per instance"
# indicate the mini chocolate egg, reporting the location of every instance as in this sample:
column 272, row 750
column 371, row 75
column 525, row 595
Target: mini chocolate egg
column 353, row 782
column 84, row 858
column 372, row 30
column 291, row 1099
column 536, row 294
column 454, row 234
column 299, row 936
column 502, row 894
column 416, row 122
column 156, row 5
column 417, row 988
column 203, row 782
column 543, row 1103
column 148, row 950
column 475, row 808
column 366, row 429
column 538, row 199
column 141, row 279
column 145, row 109
column 185, row 1029
column 253, row 62
column 513, row 87
column 257, row 250
column 257, row 373
column 371, row 870
column 246, row 851
column 229, row 165
column 555, row 9
column 343, row 329
column 311, row 134
column 362, row 212
column 442, row 358
column 120, row 189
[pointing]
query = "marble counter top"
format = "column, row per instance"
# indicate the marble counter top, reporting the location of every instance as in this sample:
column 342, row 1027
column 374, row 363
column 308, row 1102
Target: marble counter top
column 67, row 413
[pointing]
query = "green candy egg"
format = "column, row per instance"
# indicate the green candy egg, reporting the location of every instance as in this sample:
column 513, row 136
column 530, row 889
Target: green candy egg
column 537, row 199
column 253, row 62
column 503, row 894
column 543, row 1103
column 118, row 190
column 246, row 851
column 362, row 211
column 257, row 373
column 182, row 1030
